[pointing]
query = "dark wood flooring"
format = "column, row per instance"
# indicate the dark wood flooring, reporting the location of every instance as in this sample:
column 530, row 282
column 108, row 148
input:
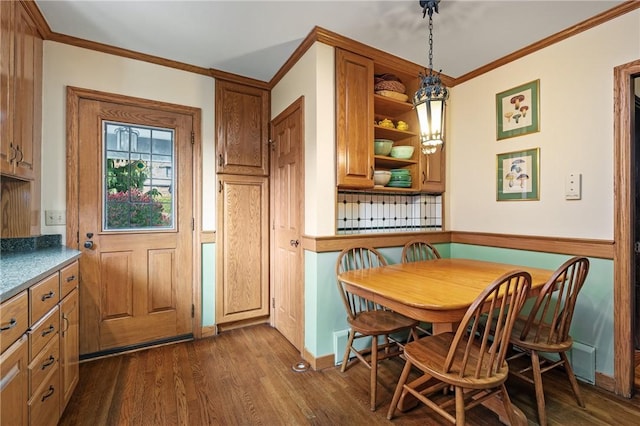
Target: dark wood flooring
column 245, row 377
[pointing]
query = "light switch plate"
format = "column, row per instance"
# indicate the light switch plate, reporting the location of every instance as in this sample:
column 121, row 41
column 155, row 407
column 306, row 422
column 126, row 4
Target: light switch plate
column 54, row 217
column 573, row 186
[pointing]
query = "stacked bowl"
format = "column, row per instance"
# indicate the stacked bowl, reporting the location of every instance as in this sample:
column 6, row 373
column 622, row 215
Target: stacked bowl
column 400, row 178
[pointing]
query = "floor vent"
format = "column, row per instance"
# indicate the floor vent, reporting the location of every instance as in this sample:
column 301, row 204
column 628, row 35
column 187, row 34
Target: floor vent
column 583, row 361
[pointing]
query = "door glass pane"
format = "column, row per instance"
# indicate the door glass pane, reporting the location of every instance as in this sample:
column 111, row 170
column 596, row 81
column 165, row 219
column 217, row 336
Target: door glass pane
column 139, row 177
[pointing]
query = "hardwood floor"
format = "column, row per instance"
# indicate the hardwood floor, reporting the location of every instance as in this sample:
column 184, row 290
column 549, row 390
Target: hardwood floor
column 244, row 377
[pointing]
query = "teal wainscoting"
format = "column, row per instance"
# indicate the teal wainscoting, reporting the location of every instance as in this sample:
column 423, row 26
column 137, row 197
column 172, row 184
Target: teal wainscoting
column 592, row 323
column 208, row 284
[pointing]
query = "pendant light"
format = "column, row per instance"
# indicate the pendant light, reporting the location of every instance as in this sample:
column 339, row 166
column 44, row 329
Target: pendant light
column 429, row 99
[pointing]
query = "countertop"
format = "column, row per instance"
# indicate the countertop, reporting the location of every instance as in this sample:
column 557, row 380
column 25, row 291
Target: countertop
column 20, row 270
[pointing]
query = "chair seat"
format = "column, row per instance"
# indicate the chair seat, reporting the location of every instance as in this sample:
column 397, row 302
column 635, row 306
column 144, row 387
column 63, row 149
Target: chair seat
column 541, row 344
column 380, row 322
column 429, row 355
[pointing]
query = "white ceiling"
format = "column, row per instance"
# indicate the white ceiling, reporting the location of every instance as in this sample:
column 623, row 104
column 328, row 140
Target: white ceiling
column 255, row 38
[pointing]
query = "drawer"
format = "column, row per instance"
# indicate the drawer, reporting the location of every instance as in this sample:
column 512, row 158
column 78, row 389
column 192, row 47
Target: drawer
column 14, row 319
column 68, row 279
column 43, row 296
column 46, row 361
column 42, row 332
column 44, row 406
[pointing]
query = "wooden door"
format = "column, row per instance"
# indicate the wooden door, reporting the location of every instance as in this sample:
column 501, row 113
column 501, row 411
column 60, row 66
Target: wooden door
column 354, row 120
column 135, row 219
column 242, row 271
column 242, row 117
column 287, row 177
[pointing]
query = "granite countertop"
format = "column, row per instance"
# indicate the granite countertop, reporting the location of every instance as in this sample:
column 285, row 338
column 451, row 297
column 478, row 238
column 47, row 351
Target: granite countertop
column 19, row 270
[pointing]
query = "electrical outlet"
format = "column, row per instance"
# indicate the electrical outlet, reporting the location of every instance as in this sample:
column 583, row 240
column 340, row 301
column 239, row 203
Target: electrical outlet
column 54, row 217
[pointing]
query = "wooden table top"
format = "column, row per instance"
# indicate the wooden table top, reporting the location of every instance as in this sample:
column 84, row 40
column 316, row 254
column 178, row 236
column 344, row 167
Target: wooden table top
column 435, row 291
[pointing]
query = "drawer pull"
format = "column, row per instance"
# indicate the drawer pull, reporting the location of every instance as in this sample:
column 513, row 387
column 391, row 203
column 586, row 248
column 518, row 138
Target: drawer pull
column 48, row 362
column 12, row 323
column 48, row 296
column 49, row 393
column 49, row 330
column 71, row 278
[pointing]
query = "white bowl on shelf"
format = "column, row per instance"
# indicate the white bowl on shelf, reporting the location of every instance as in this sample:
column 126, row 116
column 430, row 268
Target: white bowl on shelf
column 381, row 177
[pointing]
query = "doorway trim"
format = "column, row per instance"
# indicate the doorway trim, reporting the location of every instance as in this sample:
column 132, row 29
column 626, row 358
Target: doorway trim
column 623, row 273
column 74, row 94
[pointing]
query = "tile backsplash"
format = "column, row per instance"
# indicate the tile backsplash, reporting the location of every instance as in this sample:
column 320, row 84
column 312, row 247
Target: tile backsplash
column 362, row 212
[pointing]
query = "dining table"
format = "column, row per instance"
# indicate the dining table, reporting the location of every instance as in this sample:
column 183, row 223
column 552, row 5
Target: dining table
column 437, row 291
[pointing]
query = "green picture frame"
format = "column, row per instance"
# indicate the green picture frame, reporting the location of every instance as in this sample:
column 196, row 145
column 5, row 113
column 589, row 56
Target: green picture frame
column 518, row 175
column 518, row 110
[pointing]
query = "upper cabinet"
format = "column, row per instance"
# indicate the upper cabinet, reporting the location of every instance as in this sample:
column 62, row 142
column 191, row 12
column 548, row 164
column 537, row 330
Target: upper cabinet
column 242, row 120
column 360, row 111
column 20, row 92
column 354, row 120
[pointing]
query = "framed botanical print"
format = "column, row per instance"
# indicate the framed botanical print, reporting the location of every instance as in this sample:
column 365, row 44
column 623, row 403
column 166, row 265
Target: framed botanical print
column 518, row 110
column 518, row 175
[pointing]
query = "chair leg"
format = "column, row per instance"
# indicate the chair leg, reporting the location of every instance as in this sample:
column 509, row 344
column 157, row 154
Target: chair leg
column 460, row 406
column 347, row 351
column 374, row 371
column 508, row 407
column 537, row 380
column 572, row 379
column 399, row 388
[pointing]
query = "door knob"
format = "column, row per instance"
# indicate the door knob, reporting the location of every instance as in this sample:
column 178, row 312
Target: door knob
column 88, row 244
column 294, row 242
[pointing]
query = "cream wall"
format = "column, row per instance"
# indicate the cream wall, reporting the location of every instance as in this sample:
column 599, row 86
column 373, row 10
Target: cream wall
column 65, row 65
column 313, row 77
column 576, row 135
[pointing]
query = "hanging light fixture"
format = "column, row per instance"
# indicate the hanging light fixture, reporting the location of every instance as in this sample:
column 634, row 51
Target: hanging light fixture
column 429, row 99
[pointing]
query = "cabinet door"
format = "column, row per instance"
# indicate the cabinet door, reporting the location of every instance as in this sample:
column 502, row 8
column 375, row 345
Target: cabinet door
column 7, row 149
column 15, row 383
column 69, row 347
column 432, row 172
column 242, row 271
column 242, row 117
column 354, row 120
column 27, row 93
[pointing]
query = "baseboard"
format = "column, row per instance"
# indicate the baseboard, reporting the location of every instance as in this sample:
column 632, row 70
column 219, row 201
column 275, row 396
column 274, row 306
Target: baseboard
column 208, row 331
column 605, row 382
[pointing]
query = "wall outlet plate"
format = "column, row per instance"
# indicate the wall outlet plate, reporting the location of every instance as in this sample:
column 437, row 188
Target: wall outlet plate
column 54, row 217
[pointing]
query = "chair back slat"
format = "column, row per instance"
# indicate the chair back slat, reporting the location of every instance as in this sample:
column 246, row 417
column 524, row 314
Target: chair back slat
column 487, row 324
column 416, row 250
column 549, row 320
column 352, row 259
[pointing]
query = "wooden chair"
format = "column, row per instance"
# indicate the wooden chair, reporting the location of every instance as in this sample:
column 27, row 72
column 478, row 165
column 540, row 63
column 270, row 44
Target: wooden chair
column 419, row 250
column 414, row 251
column 546, row 329
column 366, row 319
column 472, row 360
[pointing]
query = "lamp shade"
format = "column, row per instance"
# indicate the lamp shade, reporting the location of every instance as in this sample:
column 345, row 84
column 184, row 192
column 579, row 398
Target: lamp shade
column 429, row 102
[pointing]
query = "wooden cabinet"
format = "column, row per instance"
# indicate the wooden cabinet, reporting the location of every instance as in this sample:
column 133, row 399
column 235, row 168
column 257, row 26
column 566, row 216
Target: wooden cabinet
column 21, row 92
column 40, row 350
column 69, row 347
column 15, row 384
column 359, row 108
column 242, row 135
column 20, row 121
column 242, row 282
column 354, row 120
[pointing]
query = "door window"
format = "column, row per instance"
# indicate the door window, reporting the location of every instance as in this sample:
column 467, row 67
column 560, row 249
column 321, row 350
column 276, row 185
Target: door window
column 139, row 165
